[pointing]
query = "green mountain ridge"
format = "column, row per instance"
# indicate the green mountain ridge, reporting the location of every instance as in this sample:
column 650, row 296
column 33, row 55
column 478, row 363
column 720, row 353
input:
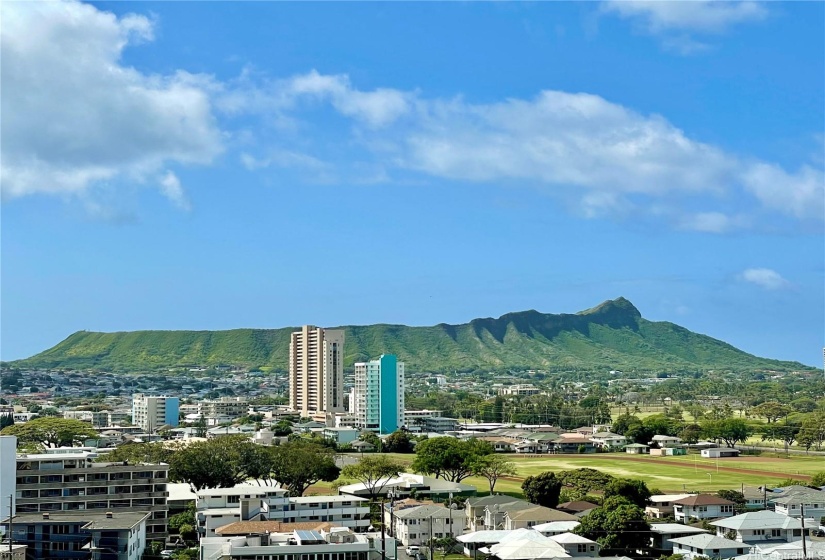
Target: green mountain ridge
column 612, row 335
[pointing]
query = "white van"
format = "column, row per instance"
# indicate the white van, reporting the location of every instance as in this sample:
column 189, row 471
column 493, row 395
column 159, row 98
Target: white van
column 412, row 550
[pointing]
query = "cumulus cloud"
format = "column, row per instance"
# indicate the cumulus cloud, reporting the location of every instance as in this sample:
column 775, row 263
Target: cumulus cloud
column 677, row 21
column 171, row 188
column 75, row 116
column 765, row 278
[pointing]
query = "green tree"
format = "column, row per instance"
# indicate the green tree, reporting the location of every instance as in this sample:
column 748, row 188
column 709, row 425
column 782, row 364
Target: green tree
column 581, row 481
column 633, row 490
column 6, row 420
column 771, row 410
column 542, row 489
column 136, row 453
column 619, row 527
column 449, row 458
column 786, row 433
column 398, row 442
column 691, row 433
column 729, row 430
column 812, row 432
column 492, row 467
column 624, row 422
column 639, row 433
column 282, row 428
column 51, row 432
column 297, row 465
column 215, row 463
column 818, row 479
column 373, row 471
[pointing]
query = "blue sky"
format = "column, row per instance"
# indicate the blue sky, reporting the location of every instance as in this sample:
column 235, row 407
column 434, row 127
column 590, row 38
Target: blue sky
column 216, row 165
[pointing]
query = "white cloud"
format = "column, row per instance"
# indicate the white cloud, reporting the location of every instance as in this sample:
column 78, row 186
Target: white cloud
column 75, row 116
column 676, row 20
column 713, row 16
column 765, row 278
column 171, row 188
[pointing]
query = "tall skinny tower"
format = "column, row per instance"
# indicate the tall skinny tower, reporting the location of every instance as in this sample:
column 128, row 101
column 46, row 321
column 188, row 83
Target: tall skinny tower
column 316, row 370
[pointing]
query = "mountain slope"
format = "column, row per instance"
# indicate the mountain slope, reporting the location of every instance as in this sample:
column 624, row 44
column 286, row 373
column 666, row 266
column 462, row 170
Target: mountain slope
column 612, row 335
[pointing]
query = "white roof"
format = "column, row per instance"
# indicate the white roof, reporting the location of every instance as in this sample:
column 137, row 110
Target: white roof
column 488, row 537
column 571, row 538
column 705, row 541
column 180, row 491
column 759, row 520
column 313, row 499
column 674, row 528
column 669, row 497
column 524, row 544
column 556, row 526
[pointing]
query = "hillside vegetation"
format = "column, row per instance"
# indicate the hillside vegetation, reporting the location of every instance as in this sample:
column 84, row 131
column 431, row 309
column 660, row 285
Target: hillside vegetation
column 612, row 335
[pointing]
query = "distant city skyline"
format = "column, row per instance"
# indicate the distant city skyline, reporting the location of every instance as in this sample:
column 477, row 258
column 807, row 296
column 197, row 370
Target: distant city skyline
column 208, row 166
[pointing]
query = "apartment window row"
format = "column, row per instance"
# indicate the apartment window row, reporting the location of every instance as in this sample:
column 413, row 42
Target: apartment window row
column 319, row 556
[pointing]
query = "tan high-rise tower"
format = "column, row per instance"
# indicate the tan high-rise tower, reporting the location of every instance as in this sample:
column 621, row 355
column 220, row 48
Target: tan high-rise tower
column 316, row 370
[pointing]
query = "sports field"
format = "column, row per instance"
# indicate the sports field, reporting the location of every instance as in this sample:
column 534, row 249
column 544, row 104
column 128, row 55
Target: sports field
column 667, row 474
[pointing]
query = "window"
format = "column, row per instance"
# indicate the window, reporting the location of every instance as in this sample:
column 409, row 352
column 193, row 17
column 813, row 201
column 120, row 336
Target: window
column 581, row 547
column 776, row 532
column 233, row 499
column 758, row 532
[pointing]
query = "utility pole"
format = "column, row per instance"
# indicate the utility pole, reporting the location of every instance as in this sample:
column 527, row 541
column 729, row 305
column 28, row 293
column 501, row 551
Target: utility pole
column 11, row 517
column 802, row 520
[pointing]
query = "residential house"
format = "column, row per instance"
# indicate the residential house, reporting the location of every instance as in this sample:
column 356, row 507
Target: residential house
column 573, row 443
column 474, row 509
column 526, row 545
column 665, row 441
column 417, row 525
column 701, row 506
column 474, row 541
column 795, row 500
column 577, row 546
column 578, row 508
column 556, row 527
column 707, row 545
column 662, row 533
column 527, row 518
column 661, row 505
column 759, row 526
column 608, row 440
column 501, row 444
column 341, row 435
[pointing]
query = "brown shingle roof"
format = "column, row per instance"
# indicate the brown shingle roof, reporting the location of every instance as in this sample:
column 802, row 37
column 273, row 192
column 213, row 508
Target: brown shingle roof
column 258, row 527
column 576, row 506
column 703, row 500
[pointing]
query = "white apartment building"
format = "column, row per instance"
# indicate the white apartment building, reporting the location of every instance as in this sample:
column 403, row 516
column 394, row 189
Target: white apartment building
column 96, row 419
column 232, row 407
column 521, row 390
column 417, row 525
column 316, row 371
column 337, row 543
column 72, row 482
column 218, row 507
column 152, row 412
column 379, row 394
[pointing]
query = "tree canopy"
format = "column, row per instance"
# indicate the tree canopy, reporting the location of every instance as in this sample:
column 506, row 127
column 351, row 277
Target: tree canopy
column 449, row 458
column 373, row 471
column 51, row 432
column 492, row 467
column 618, row 526
column 542, row 489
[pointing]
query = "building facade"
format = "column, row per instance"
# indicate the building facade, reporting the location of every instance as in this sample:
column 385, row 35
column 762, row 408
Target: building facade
column 93, row 536
column 151, row 413
column 232, row 407
column 73, row 483
column 379, row 394
column 316, row 371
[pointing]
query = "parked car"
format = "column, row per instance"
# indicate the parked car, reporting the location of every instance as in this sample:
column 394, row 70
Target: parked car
column 412, row 550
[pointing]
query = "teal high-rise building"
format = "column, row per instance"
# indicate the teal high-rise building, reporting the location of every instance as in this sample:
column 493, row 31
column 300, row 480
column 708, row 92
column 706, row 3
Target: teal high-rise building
column 379, row 394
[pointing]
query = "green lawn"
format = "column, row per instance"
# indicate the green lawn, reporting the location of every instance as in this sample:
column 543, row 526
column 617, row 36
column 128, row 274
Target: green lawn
column 668, row 474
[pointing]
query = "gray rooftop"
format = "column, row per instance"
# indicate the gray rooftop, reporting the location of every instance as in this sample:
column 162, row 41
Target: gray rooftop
column 93, row 521
column 705, row 541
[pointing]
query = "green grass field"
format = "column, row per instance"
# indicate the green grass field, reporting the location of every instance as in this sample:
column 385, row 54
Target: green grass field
column 668, row 474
